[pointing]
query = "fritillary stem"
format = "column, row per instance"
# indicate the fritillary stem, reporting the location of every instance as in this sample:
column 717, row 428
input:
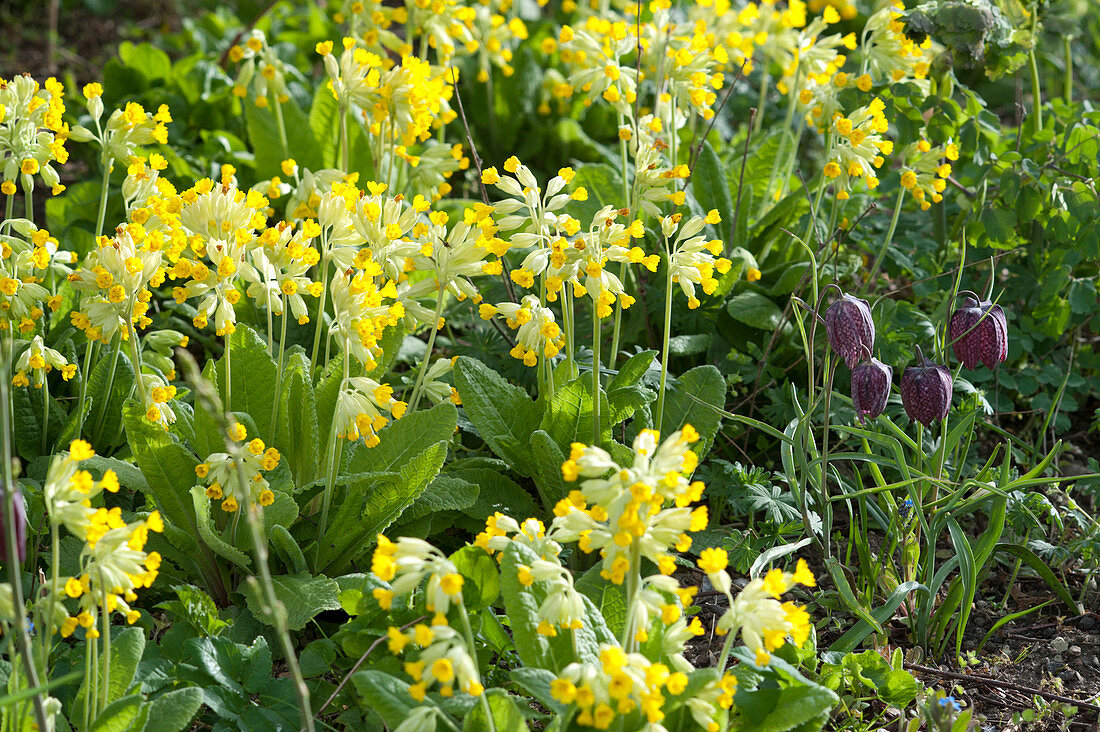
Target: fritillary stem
column 886, row 242
column 11, row 545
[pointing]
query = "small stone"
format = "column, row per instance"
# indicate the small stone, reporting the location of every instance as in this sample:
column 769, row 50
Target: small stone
column 1075, row 649
column 1059, row 645
column 1087, row 623
column 1055, row 663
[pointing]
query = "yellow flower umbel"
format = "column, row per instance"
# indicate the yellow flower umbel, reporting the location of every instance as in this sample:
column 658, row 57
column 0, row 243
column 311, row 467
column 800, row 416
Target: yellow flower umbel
column 32, row 132
column 925, row 169
column 220, row 473
column 261, row 68
column 889, row 55
column 39, row 359
column 69, row 491
column 694, row 259
column 858, row 148
column 594, row 52
column 115, row 278
column 620, row 511
column 757, row 613
column 537, row 333
column 126, row 130
column 363, row 407
column 445, row 655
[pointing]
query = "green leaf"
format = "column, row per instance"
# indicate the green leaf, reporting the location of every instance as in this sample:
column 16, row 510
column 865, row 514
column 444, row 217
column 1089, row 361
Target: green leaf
column 168, row 468
column 1032, row 560
column 209, row 533
column 604, row 186
column 444, row 493
column 174, row 711
column 503, row 414
column 506, row 714
column 119, row 716
column 696, row 398
column 386, row 695
column 481, row 587
column 711, row 188
column 536, row 682
column 152, row 62
column 755, row 310
column 548, row 479
column 298, row 431
column 287, row 548
column 894, row 686
column 496, row 492
column 373, row 503
column 569, row 414
column 197, row 608
column 852, row 638
column 324, row 123
column 109, row 389
column 790, row 701
column 263, row 134
column 253, row 373
column 625, row 393
column 302, row 595
column 403, row 439
column 126, row 649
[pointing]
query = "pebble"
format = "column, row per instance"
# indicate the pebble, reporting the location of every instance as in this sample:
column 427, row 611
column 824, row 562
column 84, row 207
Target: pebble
column 1075, row 649
column 1087, row 623
column 1059, row 645
column 1055, row 663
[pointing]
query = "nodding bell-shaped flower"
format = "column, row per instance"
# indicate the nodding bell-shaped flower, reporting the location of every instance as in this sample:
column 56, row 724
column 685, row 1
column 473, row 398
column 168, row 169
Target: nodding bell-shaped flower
column 850, row 328
column 926, row 391
column 870, row 388
column 20, row 508
column 979, row 332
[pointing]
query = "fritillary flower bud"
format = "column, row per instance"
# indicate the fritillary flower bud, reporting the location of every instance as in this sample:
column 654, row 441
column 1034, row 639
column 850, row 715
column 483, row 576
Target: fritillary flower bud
column 979, row 332
column 870, row 388
column 850, row 328
column 926, row 391
column 20, row 527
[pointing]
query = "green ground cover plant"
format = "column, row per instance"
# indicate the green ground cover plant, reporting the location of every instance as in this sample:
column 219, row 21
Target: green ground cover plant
column 510, row 365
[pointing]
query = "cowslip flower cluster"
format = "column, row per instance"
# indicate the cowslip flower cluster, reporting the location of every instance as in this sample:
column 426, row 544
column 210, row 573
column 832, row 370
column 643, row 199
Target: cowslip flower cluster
column 235, row 482
column 114, row 563
column 889, row 54
column 858, row 148
column 443, row 657
column 694, row 258
column 363, row 407
column 126, row 130
column 537, row 333
column 32, row 133
column 40, row 359
column 620, row 511
column 763, row 622
column 260, row 67
column 925, row 171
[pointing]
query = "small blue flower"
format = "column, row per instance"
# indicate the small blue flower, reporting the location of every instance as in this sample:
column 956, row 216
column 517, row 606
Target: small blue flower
column 949, row 701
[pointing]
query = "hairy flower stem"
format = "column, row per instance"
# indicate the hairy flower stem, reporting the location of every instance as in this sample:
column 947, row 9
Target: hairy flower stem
column 105, row 686
column 1033, row 64
column 633, row 584
column 886, row 242
column 45, row 414
column 106, row 394
column 332, row 468
column 279, row 370
column 282, row 128
column 427, row 351
column 613, row 354
column 567, row 321
column 103, row 191
column 595, row 376
column 15, row 570
column 665, row 337
column 323, row 265
column 90, row 350
column 468, row 635
column 1067, row 80
column 345, row 152
column 135, row 356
